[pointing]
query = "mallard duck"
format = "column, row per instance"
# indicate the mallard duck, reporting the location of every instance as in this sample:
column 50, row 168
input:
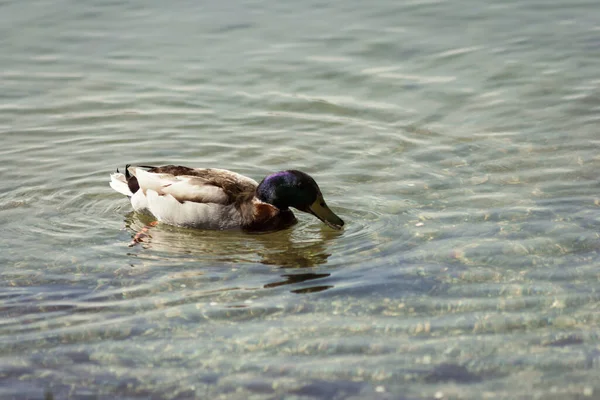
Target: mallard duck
column 221, row 199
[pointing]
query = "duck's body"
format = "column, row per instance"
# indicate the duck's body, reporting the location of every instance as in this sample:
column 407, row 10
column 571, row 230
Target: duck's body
column 222, row 199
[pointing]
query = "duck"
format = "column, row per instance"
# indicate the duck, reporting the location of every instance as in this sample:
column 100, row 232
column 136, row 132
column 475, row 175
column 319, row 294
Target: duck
column 219, row 199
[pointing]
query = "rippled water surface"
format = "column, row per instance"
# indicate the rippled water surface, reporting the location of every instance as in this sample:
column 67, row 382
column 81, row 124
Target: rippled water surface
column 458, row 139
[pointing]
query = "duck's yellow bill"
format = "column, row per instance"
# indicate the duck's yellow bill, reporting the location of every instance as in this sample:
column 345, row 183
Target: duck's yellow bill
column 320, row 210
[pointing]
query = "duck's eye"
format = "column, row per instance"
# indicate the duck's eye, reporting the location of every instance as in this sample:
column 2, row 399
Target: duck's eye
column 322, row 204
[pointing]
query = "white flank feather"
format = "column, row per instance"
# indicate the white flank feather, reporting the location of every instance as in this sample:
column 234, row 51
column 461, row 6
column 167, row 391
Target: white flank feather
column 194, row 215
column 119, row 183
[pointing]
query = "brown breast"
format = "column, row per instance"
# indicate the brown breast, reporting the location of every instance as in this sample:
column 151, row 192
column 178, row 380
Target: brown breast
column 266, row 217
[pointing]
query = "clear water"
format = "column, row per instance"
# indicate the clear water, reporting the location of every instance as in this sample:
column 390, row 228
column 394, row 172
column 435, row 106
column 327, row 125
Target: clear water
column 459, row 140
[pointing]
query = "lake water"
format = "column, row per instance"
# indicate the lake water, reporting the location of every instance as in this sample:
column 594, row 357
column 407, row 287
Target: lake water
column 457, row 139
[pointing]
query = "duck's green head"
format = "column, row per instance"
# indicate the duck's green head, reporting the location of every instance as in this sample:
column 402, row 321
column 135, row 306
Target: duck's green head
column 296, row 189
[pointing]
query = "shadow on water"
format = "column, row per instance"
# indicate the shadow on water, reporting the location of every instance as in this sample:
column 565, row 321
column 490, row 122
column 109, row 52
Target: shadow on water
column 298, row 278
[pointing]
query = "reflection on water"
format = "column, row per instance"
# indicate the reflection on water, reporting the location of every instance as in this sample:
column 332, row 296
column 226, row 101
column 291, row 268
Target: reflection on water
column 290, row 248
column 287, row 248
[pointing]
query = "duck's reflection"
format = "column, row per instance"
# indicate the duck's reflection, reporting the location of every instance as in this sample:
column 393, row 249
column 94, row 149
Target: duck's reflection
column 298, row 247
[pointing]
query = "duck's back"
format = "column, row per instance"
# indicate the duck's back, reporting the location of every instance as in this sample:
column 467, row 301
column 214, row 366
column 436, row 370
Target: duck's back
column 192, row 184
column 192, row 197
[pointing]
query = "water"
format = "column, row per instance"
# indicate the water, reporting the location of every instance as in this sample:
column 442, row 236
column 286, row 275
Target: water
column 458, row 140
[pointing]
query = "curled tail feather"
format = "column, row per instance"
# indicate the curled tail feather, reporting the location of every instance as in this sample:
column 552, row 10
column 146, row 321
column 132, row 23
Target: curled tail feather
column 132, row 182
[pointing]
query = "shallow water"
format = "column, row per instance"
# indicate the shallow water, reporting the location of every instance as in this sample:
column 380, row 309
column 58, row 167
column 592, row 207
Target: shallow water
column 458, row 140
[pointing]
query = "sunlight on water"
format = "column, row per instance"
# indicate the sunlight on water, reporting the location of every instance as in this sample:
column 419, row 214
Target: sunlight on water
column 457, row 141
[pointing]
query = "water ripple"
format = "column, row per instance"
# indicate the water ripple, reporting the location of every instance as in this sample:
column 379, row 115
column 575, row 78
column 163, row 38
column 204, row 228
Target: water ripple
column 464, row 162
